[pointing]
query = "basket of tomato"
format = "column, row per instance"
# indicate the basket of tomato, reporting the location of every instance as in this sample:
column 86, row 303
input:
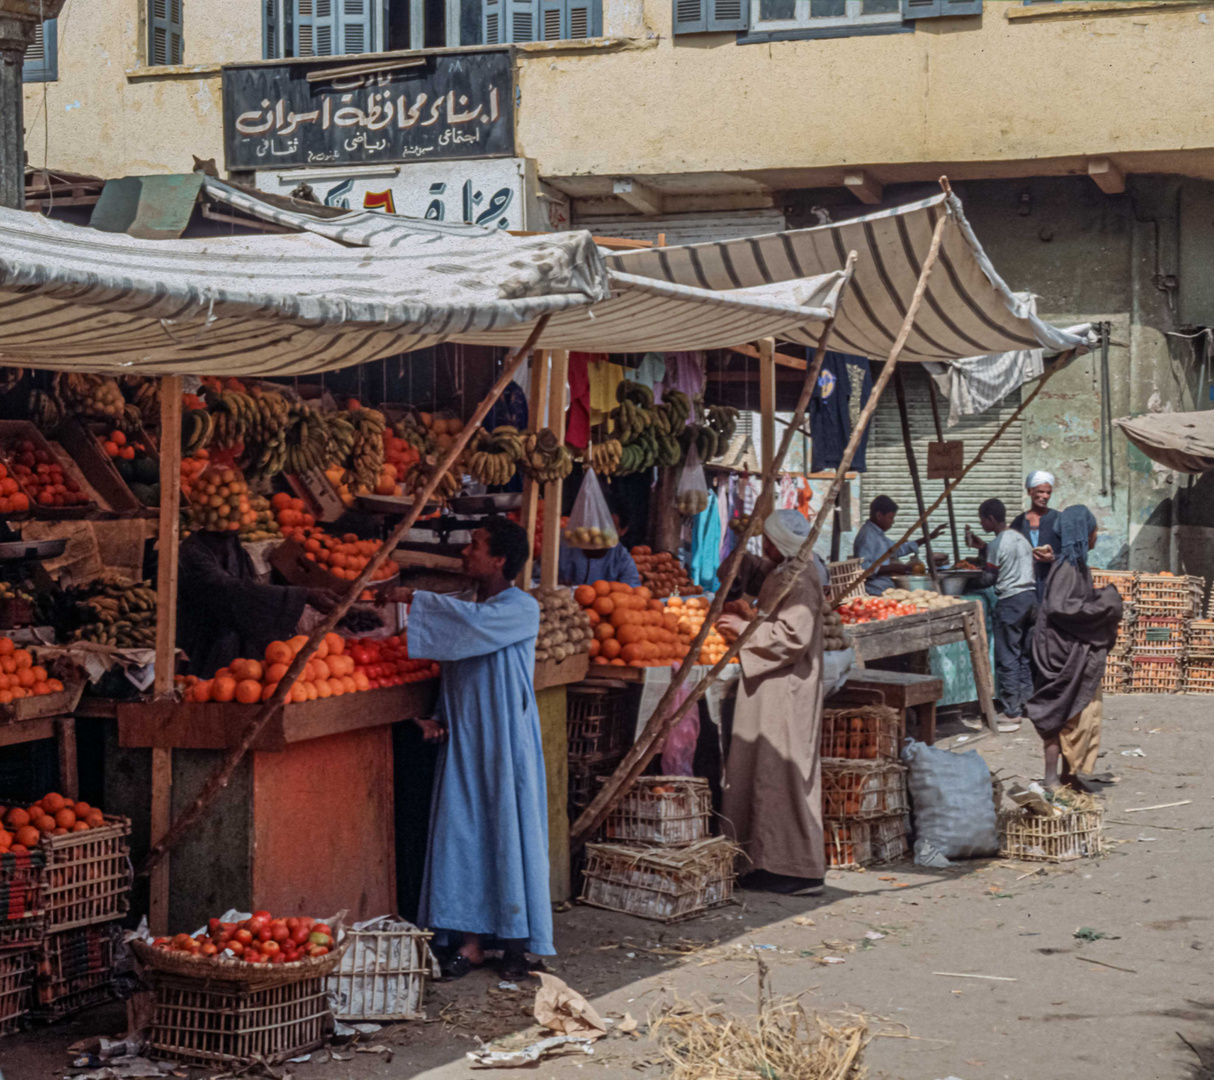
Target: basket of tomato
column 262, row 950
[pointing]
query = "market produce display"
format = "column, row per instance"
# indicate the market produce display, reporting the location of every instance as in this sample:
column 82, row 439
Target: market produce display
column 33, row 475
column 135, row 465
column 834, row 638
column 690, row 615
column 630, row 627
column 264, row 525
column 12, row 499
column 260, row 939
column 337, row 667
column 892, row 603
column 591, row 536
column 92, row 397
column 545, row 458
column 663, row 573
column 565, row 628
column 122, row 614
column 648, row 434
column 219, row 501
column 922, row 599
column 344, row 557
column 692, row 502
column 52, row 815
column 495, row 460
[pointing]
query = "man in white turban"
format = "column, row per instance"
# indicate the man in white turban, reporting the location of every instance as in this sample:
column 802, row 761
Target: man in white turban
column 1040, row 526
column 772, row 802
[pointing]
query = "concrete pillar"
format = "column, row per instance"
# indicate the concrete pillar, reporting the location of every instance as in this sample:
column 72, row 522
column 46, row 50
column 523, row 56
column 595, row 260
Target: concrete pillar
column 15, row 37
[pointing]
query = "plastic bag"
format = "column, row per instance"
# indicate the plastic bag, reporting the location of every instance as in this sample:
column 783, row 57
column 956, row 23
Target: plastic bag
column 951, row 801
column 692, row 495
column 679, row 751
column 590, row 524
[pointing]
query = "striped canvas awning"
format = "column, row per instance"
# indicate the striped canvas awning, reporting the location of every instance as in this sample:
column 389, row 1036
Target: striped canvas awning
column 341, row 291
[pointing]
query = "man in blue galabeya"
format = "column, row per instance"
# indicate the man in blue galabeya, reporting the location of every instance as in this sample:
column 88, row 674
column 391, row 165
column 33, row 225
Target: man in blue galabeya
column 487, row 858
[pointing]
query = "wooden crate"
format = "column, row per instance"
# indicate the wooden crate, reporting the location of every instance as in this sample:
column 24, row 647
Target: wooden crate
column 1125, row 632
column 1159, row 635
column 1076, row 834
column 60, row 703
column 585, row 776
column 664, row 884
column 853, row 844
column 862, row 732
column 598, row 722
column 16, row 971
column 1201, row 637
column 667, row 811
column 1125, row 581
column 844, row 581
column 855, row 790
column 88, row 875
column 79, row 440
column 13, row 430
column 1199, row 675
column 1176, row 596
column 382, row 975
column 1155, row 674
column 22, row 901
column 1116, row 675
column 75, row 970
column 889, row 838
column 201, row 1023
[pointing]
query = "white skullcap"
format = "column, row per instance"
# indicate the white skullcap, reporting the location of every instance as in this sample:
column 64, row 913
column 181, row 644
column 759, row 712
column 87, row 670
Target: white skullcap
column 1036, row 479
column 787, row 529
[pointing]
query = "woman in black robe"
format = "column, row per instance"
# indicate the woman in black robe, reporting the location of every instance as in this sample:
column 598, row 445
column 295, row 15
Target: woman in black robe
column 1076, row 627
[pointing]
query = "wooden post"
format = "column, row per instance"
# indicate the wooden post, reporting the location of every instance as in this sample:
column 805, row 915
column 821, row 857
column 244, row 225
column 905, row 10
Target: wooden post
column 65, row 737
column 767, row 401
column 952, row 515
column 974, row 624
column 900, row 392
column 166, row 633
column 554, row 489
column 537, row 406
column 218, row 780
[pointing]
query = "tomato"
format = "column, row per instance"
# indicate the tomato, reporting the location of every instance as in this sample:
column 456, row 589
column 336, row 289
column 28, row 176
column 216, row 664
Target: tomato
column 263, row 915
column 271, row 947
column 279, row 931
column 209, row 950
column 258, row 923
column 264, row 935
column 243, row 936
column 254, row 958
column 214, row 926
column 235, row 948
column 278, row 958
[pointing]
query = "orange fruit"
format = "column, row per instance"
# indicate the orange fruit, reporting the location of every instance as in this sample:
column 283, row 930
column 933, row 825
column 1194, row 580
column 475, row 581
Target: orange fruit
column 610, row 648
column 585, row 595
column 23, row 659
column 348, row 682
column 279, row 652
column 41, row 688
column 361, row 681
column 55, row 685
column 6, row 839
column 201, row 691
column 601, row 588
column 16, row 818
column 39, row 673
column 267, row 691
column 82, row 809
column 275, row 672
column 27, row 836
column 6, row 646
column 65, row 818
column 296, row 643
column 248, row 691
column 299, row 694
column 81, row 826
column 604, row 605
column 53, row 802
column 337, row 686
column 336, row 643
column 223, row 688
column 45, row 824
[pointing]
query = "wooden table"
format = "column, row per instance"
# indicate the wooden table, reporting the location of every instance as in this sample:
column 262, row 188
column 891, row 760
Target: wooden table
column 900, row 691
column 942, row 626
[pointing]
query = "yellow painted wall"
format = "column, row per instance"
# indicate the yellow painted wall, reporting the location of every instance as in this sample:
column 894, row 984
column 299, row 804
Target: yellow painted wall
column 1134, row 83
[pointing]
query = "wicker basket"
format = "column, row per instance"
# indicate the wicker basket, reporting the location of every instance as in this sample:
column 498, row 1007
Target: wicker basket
column 1155, row 674
column 668, row 811
column 88, row 875
column 1199, row 675
column 864, row 732
column 854, row 844
column 21, row 900
column 16, row 970
column 1116, row 675
column 889, row 838
column 382, row 975
column 75, row 970
column 204, row 1023
column 1125, row 581
column 584, row 779
column 1201, row 637
column 1075, row 834
column 1158, row 635
column 598, row 723
column 664, row 884
column 845, row 579
column 863, row 789
column 1162, row 594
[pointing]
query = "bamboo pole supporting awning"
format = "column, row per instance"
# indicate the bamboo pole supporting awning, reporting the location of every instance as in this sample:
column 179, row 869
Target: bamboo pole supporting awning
column 342, row 291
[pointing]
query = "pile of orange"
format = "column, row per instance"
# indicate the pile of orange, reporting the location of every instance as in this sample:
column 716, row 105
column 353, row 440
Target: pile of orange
column 344, row 557
column 631, row 628
column 20, row 677
column 12, row 499
column 192, row 467
column 116, row 445
column 690, row 614
column 52, row 815
column 330, row 673
column 663, row 573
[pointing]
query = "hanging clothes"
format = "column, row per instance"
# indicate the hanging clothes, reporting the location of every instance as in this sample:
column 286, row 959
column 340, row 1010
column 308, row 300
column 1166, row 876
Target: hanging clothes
column 605, row 378
column 705, row 548
column 510, row 408
column 830, row 411
column 577, row 422
column 651, row 373
column 685, row 371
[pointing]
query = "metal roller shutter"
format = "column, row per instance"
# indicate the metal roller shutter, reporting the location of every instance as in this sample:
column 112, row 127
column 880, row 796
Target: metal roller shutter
column 1000, row 474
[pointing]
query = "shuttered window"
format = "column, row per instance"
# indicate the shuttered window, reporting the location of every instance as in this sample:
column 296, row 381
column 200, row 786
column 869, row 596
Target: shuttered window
column 517, row 21
column 42, row 57
column 710, row 16
column 166, row 42
column 1000, row 474
column 319, row 28
column 936, row 9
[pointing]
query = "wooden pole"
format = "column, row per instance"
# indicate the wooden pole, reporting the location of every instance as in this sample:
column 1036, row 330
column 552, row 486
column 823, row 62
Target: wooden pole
column 663, row 718
column 952, row 515
column 904, row 416
column 219, row 779
column 974, row 625
column 767, row 402
column 537, row 407
column 554, row 490
column 647, row 745
column 166, row 633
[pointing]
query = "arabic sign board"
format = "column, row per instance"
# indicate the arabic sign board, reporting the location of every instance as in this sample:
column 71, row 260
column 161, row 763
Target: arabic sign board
column 447, row 107
column 945, row 459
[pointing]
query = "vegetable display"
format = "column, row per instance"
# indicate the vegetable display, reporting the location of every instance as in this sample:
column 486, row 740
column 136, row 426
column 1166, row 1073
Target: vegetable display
column 631, row 628
column 260, row 939
column 565, row 628
column 52, row 815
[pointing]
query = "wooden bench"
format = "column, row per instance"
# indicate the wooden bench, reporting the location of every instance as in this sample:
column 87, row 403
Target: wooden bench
column 900, row 691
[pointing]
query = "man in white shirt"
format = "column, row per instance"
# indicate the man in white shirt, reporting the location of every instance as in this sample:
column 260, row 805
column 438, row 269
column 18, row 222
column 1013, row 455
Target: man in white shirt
column 872, row 543
column 1009, row 568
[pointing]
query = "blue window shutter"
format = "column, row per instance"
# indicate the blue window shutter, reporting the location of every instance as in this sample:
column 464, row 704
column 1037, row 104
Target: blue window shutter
column 271, row 41
column 961, row 7
column 522, row 20
column 554, row 21
column 166, row 45
column 315, row 28
column 728, row 14
column 690, row 16
column 585, row 18
column 492, row 23
column 921, row 9
column 356, row 26
column 42, row 57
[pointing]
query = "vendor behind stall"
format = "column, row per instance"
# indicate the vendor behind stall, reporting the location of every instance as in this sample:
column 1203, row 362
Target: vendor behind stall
column 1040, row 525
column 223, row 610
column 872, row 543
column 584, row 566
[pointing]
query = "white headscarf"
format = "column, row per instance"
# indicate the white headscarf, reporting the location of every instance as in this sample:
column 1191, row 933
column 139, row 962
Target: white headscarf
column 1036, row 479
column 787, row 529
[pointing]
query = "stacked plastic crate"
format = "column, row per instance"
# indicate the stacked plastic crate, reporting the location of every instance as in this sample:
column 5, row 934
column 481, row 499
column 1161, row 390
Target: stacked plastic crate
column 22, row 929
column 864, row 796
column 1166, row 607
column 1118, row 668
column 1199, row 662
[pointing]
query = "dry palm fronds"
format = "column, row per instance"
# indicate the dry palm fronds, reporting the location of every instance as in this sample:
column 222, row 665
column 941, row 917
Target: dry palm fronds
column 782, row 1040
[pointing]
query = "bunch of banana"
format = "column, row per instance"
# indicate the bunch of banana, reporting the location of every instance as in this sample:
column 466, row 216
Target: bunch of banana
column 723, row 419
column 497, row 454
column 545, row 457
column 417, row 478
column 415, row 433
column 605, row 457
column 307, row 439
column 268, row 458
column 45, row 410
column 266, row 434
column 9, row 378
column 367, row 453
column 121, row 615
column 235, row 415
column 707, row 442
column 95, row 397
column 197, row 428
column 679, row 407
column 144, row 394
column 341, row 438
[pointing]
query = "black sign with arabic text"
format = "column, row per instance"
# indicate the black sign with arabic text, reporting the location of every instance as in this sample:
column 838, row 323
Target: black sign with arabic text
column 451, row 106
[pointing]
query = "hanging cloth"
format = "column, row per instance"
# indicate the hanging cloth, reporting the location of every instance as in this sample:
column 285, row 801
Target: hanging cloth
column 577, row 423
column 830, row 410
column 604, row 377
column 651, row 373
column 705, row 548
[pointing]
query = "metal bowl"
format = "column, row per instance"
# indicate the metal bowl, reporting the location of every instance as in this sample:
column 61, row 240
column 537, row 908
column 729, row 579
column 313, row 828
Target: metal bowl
column 913, row 582
column 953, row 582
column 27, row 550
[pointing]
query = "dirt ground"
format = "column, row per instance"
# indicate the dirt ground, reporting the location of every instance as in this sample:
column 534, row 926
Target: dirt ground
column 1120, row 1006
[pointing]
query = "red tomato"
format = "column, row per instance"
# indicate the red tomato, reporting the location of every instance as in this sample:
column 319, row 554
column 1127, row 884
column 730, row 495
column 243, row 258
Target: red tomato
column 271, row 947
column 300, row 934
column 279, row 931
column 235, row 947
column 244, row 936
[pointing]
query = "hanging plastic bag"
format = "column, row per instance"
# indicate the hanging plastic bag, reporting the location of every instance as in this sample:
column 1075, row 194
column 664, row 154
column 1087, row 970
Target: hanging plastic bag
column 590, row 524
column 692, row 495
column 679, row 751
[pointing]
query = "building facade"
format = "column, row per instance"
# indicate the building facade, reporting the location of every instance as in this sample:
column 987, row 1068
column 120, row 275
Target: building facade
column 1077, row 134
